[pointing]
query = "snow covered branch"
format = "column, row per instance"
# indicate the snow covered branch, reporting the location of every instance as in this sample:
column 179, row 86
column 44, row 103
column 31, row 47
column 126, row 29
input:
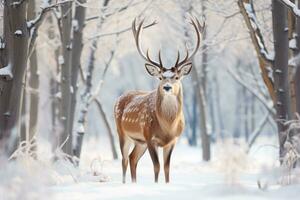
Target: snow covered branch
column 266, row 60
column 34, row 24
column 17, row 3
column 292, row 6
column 118, row 10
column 256, row 36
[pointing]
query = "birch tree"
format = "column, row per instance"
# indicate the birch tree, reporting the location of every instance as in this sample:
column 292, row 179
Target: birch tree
column 85, row 97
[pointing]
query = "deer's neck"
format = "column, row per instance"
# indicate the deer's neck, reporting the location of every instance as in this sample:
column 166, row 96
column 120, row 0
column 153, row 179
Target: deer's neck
column 168, row 108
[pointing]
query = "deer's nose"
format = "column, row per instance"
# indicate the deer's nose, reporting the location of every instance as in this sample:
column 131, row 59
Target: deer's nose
column 167, row 88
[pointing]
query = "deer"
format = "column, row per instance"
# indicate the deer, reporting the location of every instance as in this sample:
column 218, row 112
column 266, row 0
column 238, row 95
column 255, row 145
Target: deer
column 152, row 119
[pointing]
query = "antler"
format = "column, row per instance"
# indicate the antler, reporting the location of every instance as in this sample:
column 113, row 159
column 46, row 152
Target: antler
column 199, row 29
column 136, row 33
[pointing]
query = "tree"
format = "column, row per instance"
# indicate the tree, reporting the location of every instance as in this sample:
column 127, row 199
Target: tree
column 278, row 83
column 66, row 71
column 281, row 81
column 15, row 44
column 199, row 88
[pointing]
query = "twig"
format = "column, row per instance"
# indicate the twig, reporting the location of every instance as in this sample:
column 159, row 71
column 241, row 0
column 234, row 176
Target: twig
column 258, row 96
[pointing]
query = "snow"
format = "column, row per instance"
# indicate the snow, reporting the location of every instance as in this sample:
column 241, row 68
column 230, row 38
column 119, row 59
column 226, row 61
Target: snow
column 6, row 72
column 292, row 6
column 58, row 95
column 232, row 174
column 80, row 128
column 292, row 43
column 75, row 24
column 168, row 74
column 18, row 33
column 61, row 60
column 2, row 45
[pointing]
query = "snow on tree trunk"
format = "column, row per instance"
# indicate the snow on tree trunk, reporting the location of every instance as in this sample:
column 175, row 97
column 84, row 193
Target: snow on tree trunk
column 78, row 25
column 85, row 97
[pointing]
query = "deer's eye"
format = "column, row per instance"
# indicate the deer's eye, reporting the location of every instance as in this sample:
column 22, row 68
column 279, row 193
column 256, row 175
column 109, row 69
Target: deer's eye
column 176, row 77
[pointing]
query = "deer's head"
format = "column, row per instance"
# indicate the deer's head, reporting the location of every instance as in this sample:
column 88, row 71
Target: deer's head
column 170, row 79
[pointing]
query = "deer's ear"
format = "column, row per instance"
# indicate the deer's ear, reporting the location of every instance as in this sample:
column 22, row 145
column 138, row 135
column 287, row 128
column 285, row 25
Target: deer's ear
column 152, row 69
column 185, row 69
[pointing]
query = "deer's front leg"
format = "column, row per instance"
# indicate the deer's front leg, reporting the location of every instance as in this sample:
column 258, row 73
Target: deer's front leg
column 167, row 157
column 152, row 148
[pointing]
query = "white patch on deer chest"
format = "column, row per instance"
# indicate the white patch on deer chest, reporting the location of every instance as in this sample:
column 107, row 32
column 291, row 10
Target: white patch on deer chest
column 169, row 105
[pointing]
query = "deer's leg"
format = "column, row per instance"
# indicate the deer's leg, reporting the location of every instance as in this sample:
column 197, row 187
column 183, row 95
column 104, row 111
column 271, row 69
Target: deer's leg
column 152, row 148
column 167, row 157
column 125, row 146
column 134, row 158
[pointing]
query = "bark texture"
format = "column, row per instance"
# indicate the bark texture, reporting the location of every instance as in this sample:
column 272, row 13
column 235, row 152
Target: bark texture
column 281, row 81
column 16, row 42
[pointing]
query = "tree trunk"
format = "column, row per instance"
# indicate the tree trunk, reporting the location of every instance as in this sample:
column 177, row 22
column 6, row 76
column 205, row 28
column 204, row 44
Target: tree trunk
column 66, row 27
column 292, row 53
column 33, row 84
column 297, row 75
column 281, row 81
column 17, row 46
column 194, row 121
column 23, row 130
column 85, row 97
column 246, row 114
column 205, row 138
column 218, row 107
column 76, row 56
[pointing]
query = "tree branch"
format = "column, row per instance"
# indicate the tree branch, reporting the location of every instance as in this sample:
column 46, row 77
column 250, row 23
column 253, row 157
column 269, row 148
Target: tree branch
column 256, row 36
column 257, row 131
column 292, row 6
column 250, row 89
column 265, row 59
column 119, row 31
column 34, row 24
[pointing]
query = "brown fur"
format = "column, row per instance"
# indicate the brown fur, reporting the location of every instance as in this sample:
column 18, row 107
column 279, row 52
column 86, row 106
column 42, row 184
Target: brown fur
column 140, row 120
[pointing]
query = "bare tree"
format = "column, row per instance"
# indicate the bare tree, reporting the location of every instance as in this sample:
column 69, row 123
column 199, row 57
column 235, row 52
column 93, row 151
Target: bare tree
column 66, row 70
column 281, row 81
column 77, row 45
column 278, row 66
column 16, row 37
column 85, row 97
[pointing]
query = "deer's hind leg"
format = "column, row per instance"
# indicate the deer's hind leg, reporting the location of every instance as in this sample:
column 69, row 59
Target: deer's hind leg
column 125, row 144
column 137, row 152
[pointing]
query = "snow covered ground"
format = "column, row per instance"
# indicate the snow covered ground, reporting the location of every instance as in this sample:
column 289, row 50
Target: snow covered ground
column 231, row 174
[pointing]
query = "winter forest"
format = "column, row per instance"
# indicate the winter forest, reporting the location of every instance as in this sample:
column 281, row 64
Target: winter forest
column 152, row 99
